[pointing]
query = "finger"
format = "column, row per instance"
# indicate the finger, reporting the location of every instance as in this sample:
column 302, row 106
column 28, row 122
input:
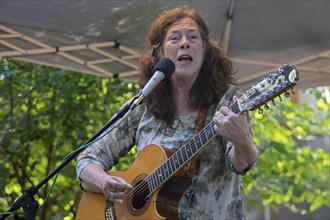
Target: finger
column 120, row 184
column 216, row 128
column 217, row 118
column 225, row 110
column 114, row 198
column 117, row 195
column 234, row 99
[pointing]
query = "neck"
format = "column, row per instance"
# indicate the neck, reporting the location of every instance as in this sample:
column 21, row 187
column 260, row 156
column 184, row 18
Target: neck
column 182, row 83
column 181, row 90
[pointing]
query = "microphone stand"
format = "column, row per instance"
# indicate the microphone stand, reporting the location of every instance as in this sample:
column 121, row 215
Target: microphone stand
column 27, row 202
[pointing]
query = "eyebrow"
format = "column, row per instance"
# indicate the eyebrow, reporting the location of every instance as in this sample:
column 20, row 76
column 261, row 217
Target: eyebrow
column 178, row 30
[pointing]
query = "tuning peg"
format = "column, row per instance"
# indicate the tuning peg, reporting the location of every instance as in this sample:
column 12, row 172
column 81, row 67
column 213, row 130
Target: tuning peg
column 273, row 102
column 280, row 98
column 266, row 106
column 287, row 95
column 292, row 90
column 260, row 111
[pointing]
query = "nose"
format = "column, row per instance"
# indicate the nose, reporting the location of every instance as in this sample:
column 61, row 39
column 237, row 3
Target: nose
column 184, row 46
column 184, row 43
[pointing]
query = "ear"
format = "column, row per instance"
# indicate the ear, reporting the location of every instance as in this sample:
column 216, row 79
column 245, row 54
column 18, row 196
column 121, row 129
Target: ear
column 157, row 52
column 154, row 52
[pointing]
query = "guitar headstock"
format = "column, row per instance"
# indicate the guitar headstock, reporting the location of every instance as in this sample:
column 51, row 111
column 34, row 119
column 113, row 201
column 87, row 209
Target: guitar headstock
column 274, row 85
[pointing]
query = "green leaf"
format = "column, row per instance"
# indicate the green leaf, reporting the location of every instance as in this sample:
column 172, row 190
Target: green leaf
column 317, row 203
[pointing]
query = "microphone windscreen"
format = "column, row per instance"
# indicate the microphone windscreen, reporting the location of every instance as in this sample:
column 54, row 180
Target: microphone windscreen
column 166, row 66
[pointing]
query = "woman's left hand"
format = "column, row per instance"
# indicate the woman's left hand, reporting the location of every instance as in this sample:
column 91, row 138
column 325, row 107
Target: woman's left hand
column 232, row 126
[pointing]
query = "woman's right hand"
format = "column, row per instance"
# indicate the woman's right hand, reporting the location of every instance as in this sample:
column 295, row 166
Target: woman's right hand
column 95, row 179
column 115, row 188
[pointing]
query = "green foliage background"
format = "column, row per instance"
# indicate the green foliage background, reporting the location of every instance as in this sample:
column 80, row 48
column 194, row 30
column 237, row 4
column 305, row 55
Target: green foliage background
column 46, row 113
column 292, row 168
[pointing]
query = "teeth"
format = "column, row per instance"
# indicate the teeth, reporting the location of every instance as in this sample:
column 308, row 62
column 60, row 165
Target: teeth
column 185, row 57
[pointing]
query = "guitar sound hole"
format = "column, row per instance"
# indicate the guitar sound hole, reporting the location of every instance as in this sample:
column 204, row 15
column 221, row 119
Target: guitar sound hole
column 140, row 195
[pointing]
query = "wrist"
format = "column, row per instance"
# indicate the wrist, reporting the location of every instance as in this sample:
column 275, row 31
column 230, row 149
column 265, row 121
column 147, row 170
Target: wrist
column 242, row 159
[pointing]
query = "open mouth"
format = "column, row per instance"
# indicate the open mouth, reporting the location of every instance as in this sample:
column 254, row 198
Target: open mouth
column 185, row 57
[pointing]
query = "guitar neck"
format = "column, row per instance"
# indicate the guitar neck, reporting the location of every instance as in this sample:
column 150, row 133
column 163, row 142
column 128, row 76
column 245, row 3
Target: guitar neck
column 184, row 154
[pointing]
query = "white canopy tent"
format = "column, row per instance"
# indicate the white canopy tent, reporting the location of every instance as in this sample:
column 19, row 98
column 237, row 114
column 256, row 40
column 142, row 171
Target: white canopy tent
column 106, row 38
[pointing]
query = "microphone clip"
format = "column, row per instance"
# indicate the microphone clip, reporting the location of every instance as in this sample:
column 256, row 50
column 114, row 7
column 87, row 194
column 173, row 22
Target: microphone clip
column 137, row 100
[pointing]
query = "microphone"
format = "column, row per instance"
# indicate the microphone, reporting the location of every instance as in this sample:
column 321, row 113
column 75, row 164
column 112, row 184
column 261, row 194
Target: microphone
column 163, row 69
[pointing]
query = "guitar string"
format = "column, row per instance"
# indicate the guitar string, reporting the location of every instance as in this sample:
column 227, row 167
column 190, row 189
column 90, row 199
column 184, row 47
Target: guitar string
column 166, row 165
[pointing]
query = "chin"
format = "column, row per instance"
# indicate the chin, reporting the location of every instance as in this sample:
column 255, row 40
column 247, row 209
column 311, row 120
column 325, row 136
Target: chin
column 186, row 73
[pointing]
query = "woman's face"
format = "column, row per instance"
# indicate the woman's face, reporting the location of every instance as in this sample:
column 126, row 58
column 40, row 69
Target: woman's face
column 184, row 46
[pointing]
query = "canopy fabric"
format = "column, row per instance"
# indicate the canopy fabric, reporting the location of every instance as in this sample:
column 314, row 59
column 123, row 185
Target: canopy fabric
column 106, row 38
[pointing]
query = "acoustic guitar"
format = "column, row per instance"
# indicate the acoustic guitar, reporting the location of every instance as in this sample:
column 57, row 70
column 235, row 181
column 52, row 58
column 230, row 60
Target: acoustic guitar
column 160, row 176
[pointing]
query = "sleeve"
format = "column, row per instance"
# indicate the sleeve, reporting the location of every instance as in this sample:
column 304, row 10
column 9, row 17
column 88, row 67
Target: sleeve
column 109, row 149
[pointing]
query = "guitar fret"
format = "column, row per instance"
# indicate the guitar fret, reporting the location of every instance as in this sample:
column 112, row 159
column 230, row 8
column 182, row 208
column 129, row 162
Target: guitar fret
column 186, row 154
column 189, row 153
column 170, row 166
column 197, row 142
column 164, row 176
column 180, row 157
column 157, row 182
column 189, row 149
column 149, row 182
column 201, row 141
column 204, row 138
column 176, row 162
column 166, row 171
column 153, row 179
column 210, row 132
column 159, row 177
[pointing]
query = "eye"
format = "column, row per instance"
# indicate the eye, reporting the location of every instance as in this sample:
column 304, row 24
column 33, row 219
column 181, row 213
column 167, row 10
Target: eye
column 174, row 37
column 194, row 37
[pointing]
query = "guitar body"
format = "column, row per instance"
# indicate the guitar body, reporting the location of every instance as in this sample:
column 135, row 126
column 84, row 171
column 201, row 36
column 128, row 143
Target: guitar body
column 161, row 204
